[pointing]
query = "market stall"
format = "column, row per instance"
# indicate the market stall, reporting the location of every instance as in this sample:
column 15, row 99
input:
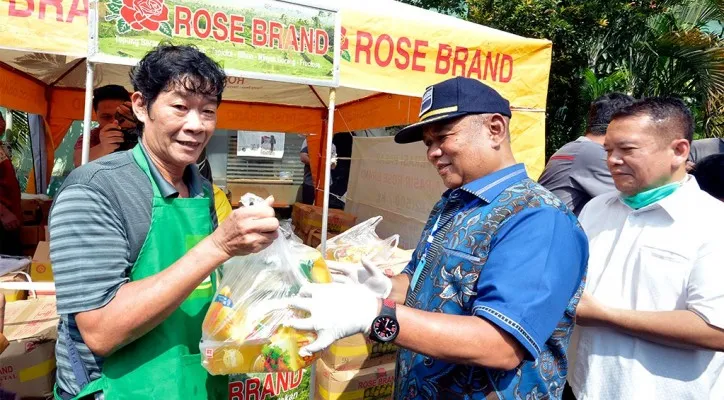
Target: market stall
column 313, row 67
column 389, row 52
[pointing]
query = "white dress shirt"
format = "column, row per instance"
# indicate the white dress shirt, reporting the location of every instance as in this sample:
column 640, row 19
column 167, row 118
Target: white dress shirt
column 666, row 256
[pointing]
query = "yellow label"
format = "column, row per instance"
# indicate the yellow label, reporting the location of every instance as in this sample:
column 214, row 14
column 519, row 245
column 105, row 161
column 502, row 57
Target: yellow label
column 37, row 371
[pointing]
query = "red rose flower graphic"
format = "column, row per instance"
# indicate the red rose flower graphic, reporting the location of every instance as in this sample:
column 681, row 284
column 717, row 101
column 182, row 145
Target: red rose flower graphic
column 344, row 45
column 147, row 14
column 344, row 42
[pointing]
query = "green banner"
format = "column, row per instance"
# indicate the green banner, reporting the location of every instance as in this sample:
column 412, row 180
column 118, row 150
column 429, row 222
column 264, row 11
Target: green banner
column 257, row 38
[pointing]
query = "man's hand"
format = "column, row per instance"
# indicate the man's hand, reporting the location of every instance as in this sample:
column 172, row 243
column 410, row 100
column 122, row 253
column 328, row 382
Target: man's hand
column 10, row 221
column 111, row 138
column 365, row 273
column 247, row 230
column 337, row 311
column 591, row 312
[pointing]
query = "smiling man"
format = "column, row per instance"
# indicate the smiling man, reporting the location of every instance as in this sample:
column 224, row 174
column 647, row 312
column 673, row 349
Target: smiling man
column 135, row 246
column 652, row 316
column 485, row 308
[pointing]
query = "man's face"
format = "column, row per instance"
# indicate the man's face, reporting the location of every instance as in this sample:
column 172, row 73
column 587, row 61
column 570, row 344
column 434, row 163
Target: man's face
column 106, row 112
column 639, row 158
column 458, row 151
column 178, row 126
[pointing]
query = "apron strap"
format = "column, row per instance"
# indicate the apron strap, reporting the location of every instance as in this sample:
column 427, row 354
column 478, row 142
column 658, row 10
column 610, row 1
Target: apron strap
column 79, row 370
column 140, row 159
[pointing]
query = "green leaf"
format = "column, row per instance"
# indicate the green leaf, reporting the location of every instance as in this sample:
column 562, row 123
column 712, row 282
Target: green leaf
column 165, row 28
column 122, row 26
column 112, row 17
column 114, row 7
column 346, row 56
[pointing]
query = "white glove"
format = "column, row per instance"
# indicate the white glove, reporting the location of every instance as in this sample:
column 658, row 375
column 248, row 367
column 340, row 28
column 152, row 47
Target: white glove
column 337, row 311
column 365, row 273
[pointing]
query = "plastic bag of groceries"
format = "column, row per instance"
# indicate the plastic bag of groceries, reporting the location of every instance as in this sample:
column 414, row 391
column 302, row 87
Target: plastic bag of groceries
column 242, row 331
column 361, row 241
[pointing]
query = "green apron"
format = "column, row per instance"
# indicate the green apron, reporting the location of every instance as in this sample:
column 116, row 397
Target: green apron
column 165, row 363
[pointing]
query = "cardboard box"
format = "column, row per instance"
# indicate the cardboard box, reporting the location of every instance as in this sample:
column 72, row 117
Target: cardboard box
column 314, row 237
column 27, row 366
column 36, row 209
column 45, row 206
column 30, row 235
column 306, row 218
column 358, row 352
column 14, row 295
column 40, row 268
column 32, row 214
column 370, row 383
column 47, row 233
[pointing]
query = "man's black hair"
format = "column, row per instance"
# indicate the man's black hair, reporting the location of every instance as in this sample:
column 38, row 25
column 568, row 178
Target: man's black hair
column 709, row 173
column 602, row 109
column 109, row 92
column 678, row 123
column 168, row 65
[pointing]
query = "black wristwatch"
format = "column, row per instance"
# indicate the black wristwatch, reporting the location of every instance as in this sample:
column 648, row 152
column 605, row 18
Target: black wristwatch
column 385, row 327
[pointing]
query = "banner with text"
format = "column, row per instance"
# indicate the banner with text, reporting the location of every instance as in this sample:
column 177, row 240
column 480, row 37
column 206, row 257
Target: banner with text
column 59, row 26
column 402, row 55
column 260, row 38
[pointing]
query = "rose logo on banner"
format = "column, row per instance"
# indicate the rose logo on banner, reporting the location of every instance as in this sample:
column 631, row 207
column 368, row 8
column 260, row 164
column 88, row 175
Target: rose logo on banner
column 138, row 15
column 343, row 45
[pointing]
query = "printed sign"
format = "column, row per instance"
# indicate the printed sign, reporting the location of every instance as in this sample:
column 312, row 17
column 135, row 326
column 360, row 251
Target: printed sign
column 263, row 37
column 260, row 144
column 274, row 386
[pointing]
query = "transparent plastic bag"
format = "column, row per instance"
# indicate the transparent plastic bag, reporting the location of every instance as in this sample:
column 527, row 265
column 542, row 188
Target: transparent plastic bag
column 361, row 241
column 286, row 228
column 242, row 331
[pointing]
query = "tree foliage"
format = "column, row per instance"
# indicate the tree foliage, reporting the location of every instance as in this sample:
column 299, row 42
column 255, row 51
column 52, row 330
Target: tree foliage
column 642, row 47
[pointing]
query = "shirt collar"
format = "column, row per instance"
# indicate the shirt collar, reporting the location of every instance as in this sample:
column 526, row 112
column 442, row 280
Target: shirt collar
column 191, row 178
column 675, row 204
column 490, row 186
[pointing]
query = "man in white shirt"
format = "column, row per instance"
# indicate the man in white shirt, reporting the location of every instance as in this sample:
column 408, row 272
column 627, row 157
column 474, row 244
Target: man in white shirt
column 651, row 319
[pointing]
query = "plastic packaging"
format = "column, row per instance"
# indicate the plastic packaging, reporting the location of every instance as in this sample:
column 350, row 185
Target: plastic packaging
column 242, row 331
column 361, row 241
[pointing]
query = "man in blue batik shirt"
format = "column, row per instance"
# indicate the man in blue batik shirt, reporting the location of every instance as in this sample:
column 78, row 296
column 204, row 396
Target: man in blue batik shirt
column 485, row 308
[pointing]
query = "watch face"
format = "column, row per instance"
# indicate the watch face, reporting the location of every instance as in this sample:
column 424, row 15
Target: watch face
column 385, row 328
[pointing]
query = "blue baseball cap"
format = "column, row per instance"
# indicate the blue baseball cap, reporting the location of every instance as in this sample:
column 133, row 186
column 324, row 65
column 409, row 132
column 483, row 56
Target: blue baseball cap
column 452, row 99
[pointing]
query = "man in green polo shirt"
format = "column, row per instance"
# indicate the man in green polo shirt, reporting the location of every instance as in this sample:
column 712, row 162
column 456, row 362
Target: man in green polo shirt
column 135, row 246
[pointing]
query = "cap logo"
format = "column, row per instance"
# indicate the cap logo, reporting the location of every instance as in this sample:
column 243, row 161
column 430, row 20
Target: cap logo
column 426, row 101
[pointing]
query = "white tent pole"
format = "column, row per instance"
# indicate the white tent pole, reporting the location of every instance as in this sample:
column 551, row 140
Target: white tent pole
column 87, row 111
column 328, row 168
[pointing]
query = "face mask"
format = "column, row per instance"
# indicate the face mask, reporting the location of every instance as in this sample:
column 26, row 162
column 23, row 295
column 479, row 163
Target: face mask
column 650, row 196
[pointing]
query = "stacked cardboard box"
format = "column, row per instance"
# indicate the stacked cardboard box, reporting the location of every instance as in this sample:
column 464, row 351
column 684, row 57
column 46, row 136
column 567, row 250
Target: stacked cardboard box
column 356, row 368
column 27, row 366
column 358, row 352
column 306, row 217
column 373, row 383
column 36, row 210
column 40, row 268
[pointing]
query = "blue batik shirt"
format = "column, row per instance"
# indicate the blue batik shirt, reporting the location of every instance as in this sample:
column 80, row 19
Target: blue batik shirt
column 504, row 249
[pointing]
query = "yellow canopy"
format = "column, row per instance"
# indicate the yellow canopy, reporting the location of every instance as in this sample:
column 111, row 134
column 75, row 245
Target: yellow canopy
column 390, row 52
